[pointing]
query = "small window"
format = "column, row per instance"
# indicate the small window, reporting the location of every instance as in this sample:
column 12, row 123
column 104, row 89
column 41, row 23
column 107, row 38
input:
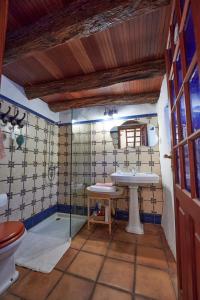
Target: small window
column 132, row 134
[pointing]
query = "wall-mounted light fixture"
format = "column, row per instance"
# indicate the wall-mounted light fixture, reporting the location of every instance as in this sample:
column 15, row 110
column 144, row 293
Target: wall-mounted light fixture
column 110, row 112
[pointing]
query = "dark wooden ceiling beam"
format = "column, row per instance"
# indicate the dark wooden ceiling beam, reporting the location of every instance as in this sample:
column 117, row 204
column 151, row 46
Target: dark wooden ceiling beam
column 150, row 97
column 79, row 19
column 143, row 70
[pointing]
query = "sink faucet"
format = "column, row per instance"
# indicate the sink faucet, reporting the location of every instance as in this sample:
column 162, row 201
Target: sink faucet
column 133, row 171
column 118, row 170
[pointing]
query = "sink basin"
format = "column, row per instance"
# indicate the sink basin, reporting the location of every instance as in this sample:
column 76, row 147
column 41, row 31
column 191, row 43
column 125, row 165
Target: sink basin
column 133, row 180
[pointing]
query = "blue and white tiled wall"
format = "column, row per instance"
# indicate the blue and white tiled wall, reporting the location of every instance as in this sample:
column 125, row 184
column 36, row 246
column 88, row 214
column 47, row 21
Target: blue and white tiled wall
column 23, row 173
column 94, row 154
column 80, row 168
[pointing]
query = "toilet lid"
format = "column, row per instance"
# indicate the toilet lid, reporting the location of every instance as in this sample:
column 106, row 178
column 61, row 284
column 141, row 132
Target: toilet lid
column 9, row 230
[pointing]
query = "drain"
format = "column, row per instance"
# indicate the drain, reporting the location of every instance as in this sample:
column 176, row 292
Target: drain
column 57, row 219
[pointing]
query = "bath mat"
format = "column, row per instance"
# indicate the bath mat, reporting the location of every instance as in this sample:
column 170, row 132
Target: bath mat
column 41, row 253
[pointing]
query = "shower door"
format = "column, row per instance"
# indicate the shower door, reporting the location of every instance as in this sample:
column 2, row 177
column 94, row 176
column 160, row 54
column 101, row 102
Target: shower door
column 183, row 72
column 80, row 170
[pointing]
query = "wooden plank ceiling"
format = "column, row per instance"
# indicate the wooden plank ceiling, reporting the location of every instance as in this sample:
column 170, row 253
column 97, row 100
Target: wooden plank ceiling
column 124, row 44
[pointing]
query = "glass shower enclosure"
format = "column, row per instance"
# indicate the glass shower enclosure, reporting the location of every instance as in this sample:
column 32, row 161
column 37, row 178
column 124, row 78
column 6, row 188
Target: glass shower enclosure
column 80, row 172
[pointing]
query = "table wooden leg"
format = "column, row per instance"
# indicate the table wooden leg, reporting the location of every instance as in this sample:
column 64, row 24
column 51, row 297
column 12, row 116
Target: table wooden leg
column 88, row 213
column 110, row 217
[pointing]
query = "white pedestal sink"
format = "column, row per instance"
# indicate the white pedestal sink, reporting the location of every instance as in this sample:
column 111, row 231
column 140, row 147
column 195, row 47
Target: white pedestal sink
column 133, row 180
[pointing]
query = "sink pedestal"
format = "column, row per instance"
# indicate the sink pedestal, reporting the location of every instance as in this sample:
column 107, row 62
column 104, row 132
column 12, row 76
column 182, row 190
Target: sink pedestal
column 133, row 180
column 134, row 224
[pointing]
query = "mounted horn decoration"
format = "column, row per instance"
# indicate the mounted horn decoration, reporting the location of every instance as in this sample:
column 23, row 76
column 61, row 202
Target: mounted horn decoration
column 7, row 118
column 20, row 122
column 13, row 120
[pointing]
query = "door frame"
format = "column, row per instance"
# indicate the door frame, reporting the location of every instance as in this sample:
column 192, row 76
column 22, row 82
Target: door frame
column 186, row 202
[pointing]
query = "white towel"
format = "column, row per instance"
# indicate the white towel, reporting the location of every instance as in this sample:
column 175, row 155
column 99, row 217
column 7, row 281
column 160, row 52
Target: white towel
column 105, row 184
column 102, row 189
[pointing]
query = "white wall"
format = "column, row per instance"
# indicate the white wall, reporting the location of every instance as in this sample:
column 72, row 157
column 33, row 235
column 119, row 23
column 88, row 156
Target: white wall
column 65, row 116
column 168, row 219
column 16, row 93
column 97, row 112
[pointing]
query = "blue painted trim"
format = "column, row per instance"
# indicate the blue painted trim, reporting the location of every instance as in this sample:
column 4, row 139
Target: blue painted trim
column 27, row 109
column 65, row 208
column 103, row 120
column 144, row 217
column 64, row 124
column 74, row 209
column 37, row 218
column 120, row 214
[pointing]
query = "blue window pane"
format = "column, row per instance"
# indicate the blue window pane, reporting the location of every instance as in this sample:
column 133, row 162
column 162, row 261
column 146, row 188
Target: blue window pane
column 190, row 45
column 178, row 166
column 170, row 55
column 183, row 116
column 187, row 167
column 173, row 95
column 182, row 2
column 195, row 99
column 175, row 127
column 179, row 70
column 197, row 154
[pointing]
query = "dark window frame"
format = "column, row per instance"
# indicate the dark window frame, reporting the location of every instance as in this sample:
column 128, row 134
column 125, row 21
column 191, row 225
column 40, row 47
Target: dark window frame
column 133, row 126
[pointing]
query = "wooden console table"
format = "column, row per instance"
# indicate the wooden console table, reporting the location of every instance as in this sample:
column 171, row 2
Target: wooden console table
column 105, row 197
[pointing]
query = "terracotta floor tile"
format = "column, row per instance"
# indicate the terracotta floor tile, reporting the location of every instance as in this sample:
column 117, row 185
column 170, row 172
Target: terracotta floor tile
column 172, row 267
column 106, row 293
column 67, row 258
column 152, row 257
column 169, row 254
column 150, row 240
column 152, row 228
column 101, row 233
column 117, row 273
column 122, row 250
column 175, row 284
column 140, row 297
column 36, row 285
column 86, row 265
column 123, row 236
column 171, row 262
column 121, row 224
column 154, row 283
column 22, row 272
column 78, row 241
column 164, row 241
column 72, row 288
column 87, row 231
column 98, row 246
column 9, row 297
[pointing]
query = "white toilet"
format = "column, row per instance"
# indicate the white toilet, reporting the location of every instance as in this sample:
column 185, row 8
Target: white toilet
column 11, row 235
